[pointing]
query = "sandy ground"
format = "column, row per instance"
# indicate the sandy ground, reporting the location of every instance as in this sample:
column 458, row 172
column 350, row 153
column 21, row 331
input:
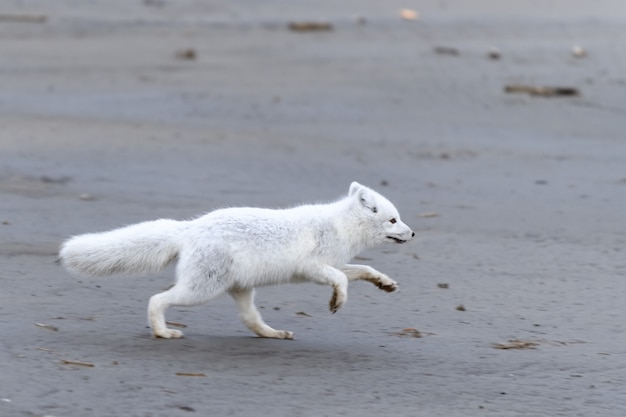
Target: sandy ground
column 519, row 203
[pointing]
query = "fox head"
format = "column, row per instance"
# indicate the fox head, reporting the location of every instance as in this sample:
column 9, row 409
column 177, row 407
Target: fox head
column 379, row 216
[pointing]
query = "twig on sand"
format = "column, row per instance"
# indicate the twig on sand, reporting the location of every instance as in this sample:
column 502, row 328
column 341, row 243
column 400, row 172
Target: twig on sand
column 542, row 91
column 516, row 344
column 79, row 363
column 47, row 326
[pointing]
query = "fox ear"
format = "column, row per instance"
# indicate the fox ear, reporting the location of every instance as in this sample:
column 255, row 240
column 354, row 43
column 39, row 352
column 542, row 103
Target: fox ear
column 354, row 187
column 365, row 197
column 367, row 200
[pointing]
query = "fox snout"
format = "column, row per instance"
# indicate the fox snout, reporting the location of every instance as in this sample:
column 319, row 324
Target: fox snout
column 400, row 233
column 410, row 234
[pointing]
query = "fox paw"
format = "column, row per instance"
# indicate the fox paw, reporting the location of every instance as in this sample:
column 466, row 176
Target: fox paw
column 383, row 282
column 387, row 284
column 169, row 334
column 337, row 300
column 277, row 334
column 284, row 334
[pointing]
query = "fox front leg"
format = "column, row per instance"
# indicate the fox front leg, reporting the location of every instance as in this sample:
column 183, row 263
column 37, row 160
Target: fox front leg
column 327, row 275
column 369, row 274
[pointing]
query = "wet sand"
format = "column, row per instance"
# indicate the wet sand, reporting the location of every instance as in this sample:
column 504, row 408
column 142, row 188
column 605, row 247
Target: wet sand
column 517, row 200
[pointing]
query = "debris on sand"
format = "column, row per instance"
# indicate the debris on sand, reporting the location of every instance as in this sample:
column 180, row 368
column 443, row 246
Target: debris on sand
column 47, row 326
column 187, row 54
column 154, row 3
column 562, row 343
column 460, row 307
column 409, row 14
column 541, row 91
column 303, row 314
column 192, row 374
column 79, row 363
column 428, row 214
column 310, row 26
column 45, row 349
column 494, row 54
column 23, row 18
column 360, row 20
column 443, row 286
column 515, row 344
column 55, row 180
column 578, row 51
column 411, row 332
column 446, row 50
column 176, row 324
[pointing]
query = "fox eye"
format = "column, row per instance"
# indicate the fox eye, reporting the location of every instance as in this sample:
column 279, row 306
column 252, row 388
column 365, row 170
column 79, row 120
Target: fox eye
column 392, row 220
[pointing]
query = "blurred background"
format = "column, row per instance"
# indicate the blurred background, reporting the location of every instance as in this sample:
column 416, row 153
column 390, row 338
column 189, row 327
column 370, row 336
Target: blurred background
column 497, row 128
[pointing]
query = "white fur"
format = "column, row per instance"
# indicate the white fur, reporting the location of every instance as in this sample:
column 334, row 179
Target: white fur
column 235, row 250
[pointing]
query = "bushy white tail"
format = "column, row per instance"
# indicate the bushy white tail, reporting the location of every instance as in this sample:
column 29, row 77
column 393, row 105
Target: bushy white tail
column 139, row 248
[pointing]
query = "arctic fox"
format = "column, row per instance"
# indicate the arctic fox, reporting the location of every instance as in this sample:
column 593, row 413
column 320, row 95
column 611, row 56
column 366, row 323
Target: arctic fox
column 235, row 250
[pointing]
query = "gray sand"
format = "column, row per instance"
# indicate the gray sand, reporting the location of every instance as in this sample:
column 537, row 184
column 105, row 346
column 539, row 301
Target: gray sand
column 518, row 202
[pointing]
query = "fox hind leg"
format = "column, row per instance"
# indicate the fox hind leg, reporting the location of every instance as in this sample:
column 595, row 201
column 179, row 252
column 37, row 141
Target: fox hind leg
column 200, row 276
column 156, row 313
column 251, row 317
column 179, row 295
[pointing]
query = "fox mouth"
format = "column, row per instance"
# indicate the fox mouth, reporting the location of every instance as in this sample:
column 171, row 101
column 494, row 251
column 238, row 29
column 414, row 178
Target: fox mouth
column 395, row 239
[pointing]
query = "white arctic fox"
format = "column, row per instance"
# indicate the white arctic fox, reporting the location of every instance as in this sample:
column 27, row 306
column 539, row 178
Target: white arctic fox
column 235, row 250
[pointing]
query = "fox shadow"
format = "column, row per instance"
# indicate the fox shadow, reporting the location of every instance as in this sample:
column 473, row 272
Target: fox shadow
column 219, row 353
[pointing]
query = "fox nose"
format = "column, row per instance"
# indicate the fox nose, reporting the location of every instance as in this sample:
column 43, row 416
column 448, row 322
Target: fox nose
column 412, row 234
